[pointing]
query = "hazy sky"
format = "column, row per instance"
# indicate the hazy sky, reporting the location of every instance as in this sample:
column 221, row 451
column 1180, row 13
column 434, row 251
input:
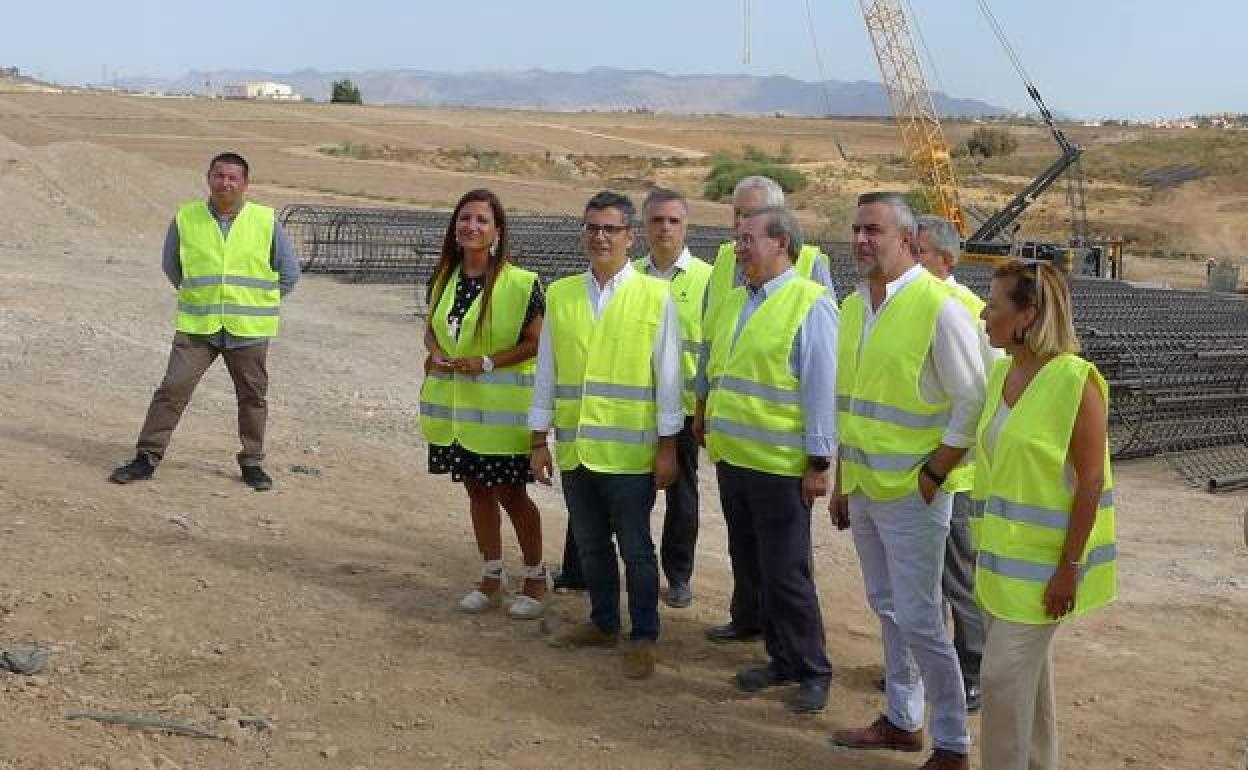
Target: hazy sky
column 1136, row 58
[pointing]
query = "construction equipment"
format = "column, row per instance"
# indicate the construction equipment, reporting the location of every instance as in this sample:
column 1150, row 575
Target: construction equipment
column 928, row 151
column 913, row 109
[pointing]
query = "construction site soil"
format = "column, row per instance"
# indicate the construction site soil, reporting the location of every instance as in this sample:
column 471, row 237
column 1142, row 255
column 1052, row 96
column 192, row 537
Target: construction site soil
column 322, row 614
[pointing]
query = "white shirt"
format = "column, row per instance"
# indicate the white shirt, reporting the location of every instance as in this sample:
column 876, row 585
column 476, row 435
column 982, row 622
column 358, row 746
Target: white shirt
column 954, row 368
column 679, row 266
column 668, row 375
column 986, row 350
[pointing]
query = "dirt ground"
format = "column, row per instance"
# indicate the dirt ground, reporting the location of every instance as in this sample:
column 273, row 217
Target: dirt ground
column 327, row 605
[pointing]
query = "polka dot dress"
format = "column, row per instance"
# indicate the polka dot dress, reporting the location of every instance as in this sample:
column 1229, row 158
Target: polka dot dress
column 464, row 464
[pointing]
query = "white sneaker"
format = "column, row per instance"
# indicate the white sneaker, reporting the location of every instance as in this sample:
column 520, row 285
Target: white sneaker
column 525, row 607
column 479, row 601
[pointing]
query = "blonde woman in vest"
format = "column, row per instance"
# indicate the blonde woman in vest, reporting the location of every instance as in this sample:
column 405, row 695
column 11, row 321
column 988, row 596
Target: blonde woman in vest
column 485, row 318
column 1046, row 540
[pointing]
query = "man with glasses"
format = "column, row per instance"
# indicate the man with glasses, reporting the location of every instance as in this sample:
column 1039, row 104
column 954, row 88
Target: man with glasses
column 751, row 193
column 769, row 417
column 609, row 379
column 665, row 215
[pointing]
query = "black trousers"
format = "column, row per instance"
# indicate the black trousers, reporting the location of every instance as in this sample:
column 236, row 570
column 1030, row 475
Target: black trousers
column 680, row 523
column 958, row 584
column 769, row 544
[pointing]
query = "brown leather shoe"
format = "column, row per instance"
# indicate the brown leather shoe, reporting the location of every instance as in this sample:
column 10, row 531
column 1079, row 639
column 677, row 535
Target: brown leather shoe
column 585, row 635
column 882, row 734
column 944, row 759
column 637, row 659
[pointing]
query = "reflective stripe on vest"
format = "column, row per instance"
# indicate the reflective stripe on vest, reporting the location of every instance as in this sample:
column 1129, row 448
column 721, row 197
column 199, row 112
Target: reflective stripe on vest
column 688, row 288
column 1023, row 481
column 887, row 429
column 227, row 282
column 486, row 413
column 753, row 413
column 605, row 412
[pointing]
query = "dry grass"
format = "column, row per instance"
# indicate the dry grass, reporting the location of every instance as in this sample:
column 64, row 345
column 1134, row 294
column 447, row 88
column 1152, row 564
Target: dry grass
column 552, row 161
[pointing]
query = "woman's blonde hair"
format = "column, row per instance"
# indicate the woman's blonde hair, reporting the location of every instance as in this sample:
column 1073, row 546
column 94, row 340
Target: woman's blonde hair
column 1039, row 284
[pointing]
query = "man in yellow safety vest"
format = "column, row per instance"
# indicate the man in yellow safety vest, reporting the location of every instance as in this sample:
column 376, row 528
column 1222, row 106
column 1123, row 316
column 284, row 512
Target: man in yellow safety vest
column 910, row 388
column 609, row 379
column 231, row 262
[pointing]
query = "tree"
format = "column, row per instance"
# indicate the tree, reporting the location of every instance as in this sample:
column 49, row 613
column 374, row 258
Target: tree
column 345, row 92
column 991, row 142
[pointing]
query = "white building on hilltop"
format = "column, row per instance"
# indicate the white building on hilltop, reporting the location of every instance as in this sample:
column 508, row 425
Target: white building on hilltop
column 260, row 89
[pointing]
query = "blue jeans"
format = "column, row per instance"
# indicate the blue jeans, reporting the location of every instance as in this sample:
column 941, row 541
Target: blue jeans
column 602, row 506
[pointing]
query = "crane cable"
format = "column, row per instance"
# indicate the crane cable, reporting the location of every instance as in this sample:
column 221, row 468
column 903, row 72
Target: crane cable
column 927, row 52
column 999, row 31
column 823, row 78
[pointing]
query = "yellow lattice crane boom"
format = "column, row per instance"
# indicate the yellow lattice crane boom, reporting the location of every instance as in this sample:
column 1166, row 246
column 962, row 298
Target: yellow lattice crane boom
column 913, row 108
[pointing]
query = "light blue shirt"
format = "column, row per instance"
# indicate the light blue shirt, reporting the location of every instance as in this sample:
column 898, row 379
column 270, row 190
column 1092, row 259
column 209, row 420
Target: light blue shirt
column 812, row 361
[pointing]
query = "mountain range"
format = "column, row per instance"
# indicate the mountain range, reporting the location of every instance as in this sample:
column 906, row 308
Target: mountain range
column 600, row 88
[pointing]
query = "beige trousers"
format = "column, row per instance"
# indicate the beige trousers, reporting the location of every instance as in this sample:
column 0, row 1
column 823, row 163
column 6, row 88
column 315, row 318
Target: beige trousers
column 1018, row 728
column 188, row 360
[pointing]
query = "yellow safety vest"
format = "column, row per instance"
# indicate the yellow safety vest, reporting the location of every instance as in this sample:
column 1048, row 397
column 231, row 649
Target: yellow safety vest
column 887, row 428
column 962, row 478
column 486, row 413
column 1027, row 502
column 227, row 283
column 724, row 273
column 753, row 413
column 688, row 287
column 605, row 413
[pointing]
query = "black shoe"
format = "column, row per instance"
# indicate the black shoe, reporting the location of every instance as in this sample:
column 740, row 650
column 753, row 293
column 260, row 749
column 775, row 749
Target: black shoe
column 759, row 678
column 730, row 633
column 562, row 584
column 810, row 697
column 138, row 469
column 973, row 701
column 881, row 684
column 679, row 595
column 255, row 477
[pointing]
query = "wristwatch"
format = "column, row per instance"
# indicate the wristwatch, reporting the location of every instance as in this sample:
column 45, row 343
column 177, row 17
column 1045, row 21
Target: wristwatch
column 820, row 464
column 487, row 364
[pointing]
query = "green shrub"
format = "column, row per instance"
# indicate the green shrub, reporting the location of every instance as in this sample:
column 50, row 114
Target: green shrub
column 726, row 172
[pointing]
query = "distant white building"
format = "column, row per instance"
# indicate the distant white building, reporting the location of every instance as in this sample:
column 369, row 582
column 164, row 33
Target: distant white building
column 260, row 89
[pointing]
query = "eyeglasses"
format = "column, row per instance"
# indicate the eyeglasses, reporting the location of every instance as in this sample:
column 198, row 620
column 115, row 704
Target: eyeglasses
column 591, row 230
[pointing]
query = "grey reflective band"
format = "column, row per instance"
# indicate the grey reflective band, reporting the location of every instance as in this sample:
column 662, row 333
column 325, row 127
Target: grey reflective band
column 885, row 413
column 569, row 392
column 229, row 280
column 479, row 416
column 1034, row 514
column 227, row 310
column 882, row 462
column 485, row 378
column 607, row 433
column 498, row 378
column 689, row 346
column 620, row 435
column 751, row 433
column 622, row 392
column 1036, row 572
column 758, row 390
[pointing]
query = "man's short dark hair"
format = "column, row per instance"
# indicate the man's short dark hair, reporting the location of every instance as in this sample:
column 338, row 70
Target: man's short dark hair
column 660, row 195
column 612, row 200
column 903, row 214
column 234, row 159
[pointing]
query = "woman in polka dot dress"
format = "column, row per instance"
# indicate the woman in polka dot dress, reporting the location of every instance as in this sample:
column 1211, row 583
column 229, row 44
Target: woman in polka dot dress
column 484, row 322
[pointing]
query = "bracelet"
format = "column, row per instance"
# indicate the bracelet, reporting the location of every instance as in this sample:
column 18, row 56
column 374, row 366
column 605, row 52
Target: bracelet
column 931, row 474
